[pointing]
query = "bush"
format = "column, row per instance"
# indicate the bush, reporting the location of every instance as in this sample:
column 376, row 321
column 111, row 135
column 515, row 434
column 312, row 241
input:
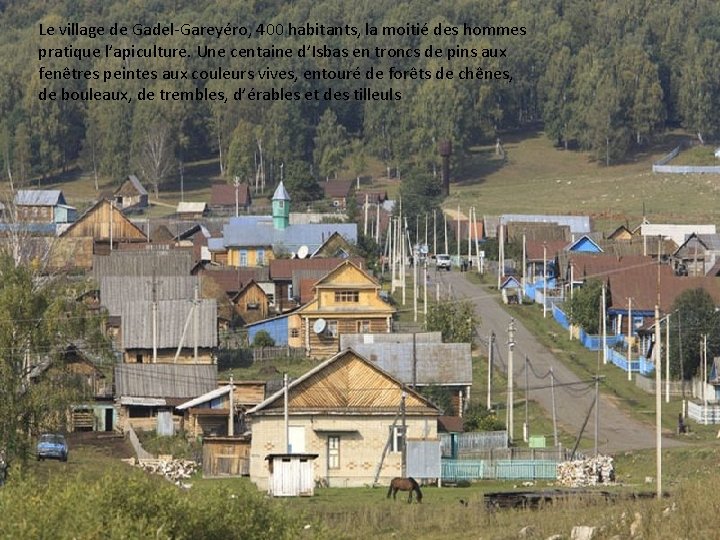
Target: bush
column 263, row 339
column 130, row 504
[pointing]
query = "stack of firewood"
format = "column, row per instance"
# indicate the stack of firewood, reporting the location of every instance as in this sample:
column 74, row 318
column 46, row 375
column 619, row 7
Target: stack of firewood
column 174, row 470
column 586, row 472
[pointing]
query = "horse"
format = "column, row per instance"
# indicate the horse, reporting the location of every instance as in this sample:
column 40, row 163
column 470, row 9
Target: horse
column 405, row 484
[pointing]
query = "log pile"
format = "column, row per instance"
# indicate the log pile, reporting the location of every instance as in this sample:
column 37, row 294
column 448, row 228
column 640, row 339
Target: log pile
column 174, row 470
column 594, row 471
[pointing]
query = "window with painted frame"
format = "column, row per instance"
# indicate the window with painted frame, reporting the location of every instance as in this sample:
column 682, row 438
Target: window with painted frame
column 333, row 451
column 363, row 327
column 243, row 257
column 398, row 437
column 332, row 329
column 260, row 257
column 343, row 297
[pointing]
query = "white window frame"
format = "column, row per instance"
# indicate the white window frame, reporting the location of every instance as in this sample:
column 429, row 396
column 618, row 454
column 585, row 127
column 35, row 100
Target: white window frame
column 397, row 438
column 333, row 452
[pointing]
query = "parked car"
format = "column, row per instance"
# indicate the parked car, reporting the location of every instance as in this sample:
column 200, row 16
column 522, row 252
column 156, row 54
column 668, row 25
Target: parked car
column 443, row 261
column 52, row 446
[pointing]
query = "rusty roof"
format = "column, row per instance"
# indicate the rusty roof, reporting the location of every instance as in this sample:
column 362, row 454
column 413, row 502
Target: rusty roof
column 224, row 195
column 282, row 269
column 337, row 188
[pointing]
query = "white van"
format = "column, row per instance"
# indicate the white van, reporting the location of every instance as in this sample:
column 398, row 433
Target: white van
column 443, row 261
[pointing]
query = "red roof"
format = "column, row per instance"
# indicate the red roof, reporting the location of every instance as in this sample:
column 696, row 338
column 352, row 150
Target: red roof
column 336, row 189
column 232, row 280
column 282, row 269
column 590, row 265
column 224, row 195
column 534, row 249
column 464, row 223
column 641, row 284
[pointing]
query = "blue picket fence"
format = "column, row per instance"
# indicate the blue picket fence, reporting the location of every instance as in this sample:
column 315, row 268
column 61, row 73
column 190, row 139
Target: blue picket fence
column 560, row 317
column 454, row 470
column 595, row 342
column 641, row 365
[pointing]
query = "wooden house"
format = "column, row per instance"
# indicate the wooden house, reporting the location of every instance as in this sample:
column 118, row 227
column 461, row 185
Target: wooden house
column 227, row 197
column 336, row 246
column 106, row 225
column 284, row 273
column 337, row 192
column 131, row 194
column 191, row 210
column 698, row 255
column 345, row 410
column 251, row 303
column 622, row 233
column 147, row 394
column 169, row 331
column 346, row 301
column 43, row 206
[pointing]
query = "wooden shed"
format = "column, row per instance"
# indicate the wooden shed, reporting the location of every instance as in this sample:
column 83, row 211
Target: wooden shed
column 251, row 303
column 105, row 224
column 131, row 194
column 291, row 475
column 226, row 456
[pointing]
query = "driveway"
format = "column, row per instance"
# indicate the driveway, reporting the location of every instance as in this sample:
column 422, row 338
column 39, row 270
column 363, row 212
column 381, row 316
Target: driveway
column 617, row 431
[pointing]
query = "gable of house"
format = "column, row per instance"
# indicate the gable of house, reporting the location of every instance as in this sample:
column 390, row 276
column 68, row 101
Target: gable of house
column 103, row 221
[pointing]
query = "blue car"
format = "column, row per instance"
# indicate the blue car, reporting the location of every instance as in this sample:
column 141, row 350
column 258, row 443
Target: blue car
column 52, row 446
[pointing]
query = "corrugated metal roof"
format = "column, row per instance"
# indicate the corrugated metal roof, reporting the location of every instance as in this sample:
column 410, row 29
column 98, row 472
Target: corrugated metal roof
column 676, row 233
column 39, row 197
column 283, row 269
column 171, row 262
column 191, row 207
column 207, row 396
column 577, row 224
column 352, row 341
column 116, row 291
column 182, row 381
column 436, row 363
column 259, row 231
column 171, row 317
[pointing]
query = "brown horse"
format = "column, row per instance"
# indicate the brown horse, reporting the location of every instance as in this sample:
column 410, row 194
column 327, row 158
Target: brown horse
column 405, row 484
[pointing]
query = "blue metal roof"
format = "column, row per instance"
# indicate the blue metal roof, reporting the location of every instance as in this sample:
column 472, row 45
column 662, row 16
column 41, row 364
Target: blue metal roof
column 39, row 197
column 258, row 231
column 577, row 224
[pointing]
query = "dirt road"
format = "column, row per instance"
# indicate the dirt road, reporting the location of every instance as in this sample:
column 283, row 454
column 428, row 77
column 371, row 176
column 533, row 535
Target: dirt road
column 573, row 397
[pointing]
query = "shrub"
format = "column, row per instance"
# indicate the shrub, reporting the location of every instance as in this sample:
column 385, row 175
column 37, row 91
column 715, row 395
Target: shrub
column 263, row 339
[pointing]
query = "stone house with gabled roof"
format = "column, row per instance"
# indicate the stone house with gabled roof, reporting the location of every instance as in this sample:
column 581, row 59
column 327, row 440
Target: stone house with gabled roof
column 345, row 410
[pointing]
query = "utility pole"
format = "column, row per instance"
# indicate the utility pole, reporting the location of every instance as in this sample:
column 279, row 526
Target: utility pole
column 552, row 393
column 658, row 403
column 544, row 280
column 604, row 323
column 231, row 419
column 285, row 413
column 425, row 282
column 458, row 236
column 510, row 397
column 447, row 250
column 523, row 283
column 434, row 232
column 526, row 425
column 196, row 324
column 597, row 412
column 501, row 256
column 667, row 358
column 154, row 317
column 629, row 340
column 491, row 340
column 365, row 226
column 404, row 436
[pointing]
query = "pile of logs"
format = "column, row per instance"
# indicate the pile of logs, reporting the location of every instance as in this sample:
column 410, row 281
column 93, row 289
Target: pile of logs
column 586, row 472
column 174, row 470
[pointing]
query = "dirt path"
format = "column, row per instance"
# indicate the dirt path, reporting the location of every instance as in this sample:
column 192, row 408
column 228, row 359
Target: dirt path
column 573, row 397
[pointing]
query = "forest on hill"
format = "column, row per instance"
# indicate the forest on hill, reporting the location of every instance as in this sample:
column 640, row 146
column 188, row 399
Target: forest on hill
column 601, row 76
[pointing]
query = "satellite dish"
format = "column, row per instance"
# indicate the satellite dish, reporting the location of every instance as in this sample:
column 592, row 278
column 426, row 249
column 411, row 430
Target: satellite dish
column 319, row 326
column 303, row 252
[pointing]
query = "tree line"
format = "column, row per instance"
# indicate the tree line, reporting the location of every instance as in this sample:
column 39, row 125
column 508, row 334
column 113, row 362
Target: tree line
column 601, row 76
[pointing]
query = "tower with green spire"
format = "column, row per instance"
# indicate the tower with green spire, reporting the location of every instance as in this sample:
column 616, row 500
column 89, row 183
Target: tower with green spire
column 281, row 208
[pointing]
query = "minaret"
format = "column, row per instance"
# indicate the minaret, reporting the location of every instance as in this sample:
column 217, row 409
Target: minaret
column 281, row 208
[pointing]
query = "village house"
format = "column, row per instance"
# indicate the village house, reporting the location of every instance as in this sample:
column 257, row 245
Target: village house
column 229, row 197
column 699, row 255
column 43, row 206
column 147, row 394
column 337, row 192
column 191, row 210
column 347, row 301
column 107, row 226
column 345, row 411
column 169, row 331
column 131, row 195
column 257, row 240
